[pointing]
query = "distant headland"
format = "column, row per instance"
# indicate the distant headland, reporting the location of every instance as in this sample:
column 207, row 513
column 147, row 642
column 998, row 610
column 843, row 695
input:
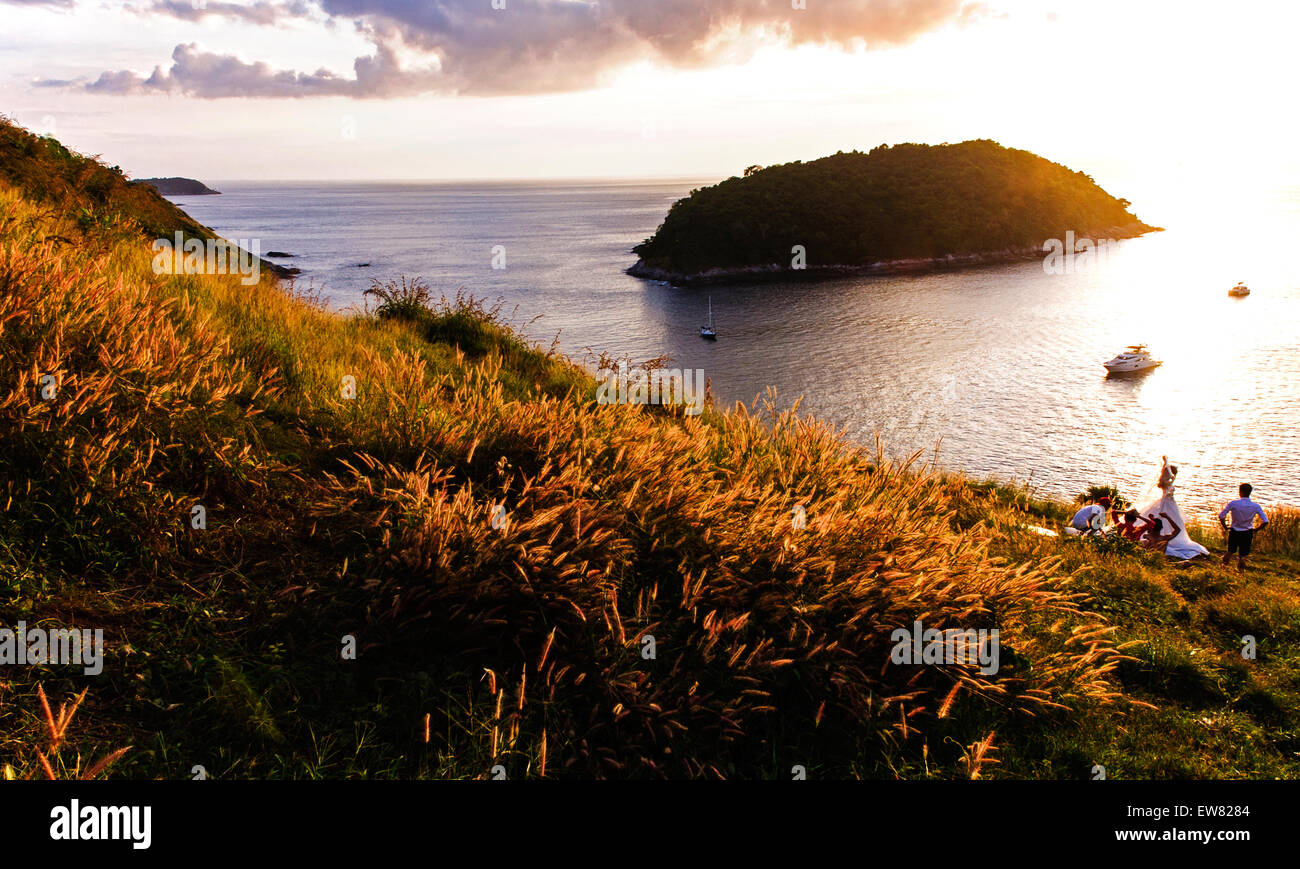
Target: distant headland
column 179, row 187
column 895, row 209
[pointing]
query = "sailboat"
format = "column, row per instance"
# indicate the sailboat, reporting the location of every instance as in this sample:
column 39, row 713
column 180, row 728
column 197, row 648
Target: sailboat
column 706, row 332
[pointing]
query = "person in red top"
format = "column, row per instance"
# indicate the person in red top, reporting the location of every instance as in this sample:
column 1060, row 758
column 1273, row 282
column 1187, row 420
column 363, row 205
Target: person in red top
column 1131, row 526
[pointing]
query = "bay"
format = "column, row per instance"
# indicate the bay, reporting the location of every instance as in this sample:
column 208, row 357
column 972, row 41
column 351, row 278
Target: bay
column 998, row 367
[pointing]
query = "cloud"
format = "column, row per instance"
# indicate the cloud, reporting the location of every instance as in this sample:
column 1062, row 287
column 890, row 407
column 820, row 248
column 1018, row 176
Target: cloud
column 204, row 75
column 260, row 12
column 530, row 46
column 58, row 4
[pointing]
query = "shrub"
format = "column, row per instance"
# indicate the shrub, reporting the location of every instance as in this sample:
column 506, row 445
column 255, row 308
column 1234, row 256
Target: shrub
column 406, row 300
column 1117, row 501
column 468, row 323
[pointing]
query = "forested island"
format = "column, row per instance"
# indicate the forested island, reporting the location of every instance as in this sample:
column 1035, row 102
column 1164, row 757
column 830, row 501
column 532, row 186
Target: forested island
column 900, row 208
column 180, row 187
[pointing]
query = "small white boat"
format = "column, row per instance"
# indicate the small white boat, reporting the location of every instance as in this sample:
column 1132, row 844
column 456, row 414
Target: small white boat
column 1135, row 358
column 706, row 332
column 1240, row 289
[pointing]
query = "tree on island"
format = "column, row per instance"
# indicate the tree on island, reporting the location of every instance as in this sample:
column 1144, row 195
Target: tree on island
column 902, row 202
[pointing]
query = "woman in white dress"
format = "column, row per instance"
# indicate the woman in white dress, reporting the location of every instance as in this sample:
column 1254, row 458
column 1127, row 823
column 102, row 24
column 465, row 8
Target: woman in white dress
column 1181, row 546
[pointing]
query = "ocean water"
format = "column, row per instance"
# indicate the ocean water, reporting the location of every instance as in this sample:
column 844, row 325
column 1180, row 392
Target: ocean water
column 999, row 367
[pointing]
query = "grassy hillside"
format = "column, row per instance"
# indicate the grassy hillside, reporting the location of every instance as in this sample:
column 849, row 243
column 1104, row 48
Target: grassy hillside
column 523, row 643
column 900, row 202
column 87, row 192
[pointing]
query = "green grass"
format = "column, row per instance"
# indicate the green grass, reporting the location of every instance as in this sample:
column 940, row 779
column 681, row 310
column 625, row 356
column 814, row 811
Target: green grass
column 369, row 517
column 1216, row 713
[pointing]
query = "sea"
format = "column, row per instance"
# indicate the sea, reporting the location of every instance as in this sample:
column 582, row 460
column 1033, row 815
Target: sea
column 994, row 371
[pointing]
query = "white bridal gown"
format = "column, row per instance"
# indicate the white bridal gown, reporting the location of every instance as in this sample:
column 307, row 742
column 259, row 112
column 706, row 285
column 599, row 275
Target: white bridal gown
column 1181, row 546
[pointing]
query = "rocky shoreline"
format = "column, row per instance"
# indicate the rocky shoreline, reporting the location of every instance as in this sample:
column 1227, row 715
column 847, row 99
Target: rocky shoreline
column 776, row 272
column 280, row 271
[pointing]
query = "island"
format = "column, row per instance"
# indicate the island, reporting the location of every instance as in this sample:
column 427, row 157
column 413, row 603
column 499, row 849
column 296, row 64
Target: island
column 894, row 209
column 179, row 187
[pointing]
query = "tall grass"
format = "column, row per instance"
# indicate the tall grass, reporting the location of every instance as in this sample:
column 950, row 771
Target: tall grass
column 50, row 760
column 624, row 528
column 1282, row 537
column 534, row 580
column 624, row 524
column 118, row 404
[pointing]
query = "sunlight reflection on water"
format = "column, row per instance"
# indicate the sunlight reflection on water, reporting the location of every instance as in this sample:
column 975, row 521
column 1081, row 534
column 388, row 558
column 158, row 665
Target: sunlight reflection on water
column 1002, row 363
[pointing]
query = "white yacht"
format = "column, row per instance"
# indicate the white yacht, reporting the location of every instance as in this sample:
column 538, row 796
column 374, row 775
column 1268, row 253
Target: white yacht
column 1240, row 289
column 706, row 332
column 1135, row 358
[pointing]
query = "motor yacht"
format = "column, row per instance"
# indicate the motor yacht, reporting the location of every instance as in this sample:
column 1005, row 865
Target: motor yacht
column 1135, row 358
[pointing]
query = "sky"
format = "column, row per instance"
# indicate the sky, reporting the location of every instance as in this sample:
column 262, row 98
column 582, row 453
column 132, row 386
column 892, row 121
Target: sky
column 1154, row 98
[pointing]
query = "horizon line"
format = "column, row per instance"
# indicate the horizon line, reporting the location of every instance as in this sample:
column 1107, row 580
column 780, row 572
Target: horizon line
column 467, row 180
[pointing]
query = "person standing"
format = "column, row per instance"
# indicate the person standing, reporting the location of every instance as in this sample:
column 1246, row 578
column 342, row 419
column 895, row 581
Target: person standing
column 1241, row 531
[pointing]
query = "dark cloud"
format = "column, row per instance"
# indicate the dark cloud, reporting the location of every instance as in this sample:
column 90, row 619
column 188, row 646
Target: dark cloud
column 531, row 46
